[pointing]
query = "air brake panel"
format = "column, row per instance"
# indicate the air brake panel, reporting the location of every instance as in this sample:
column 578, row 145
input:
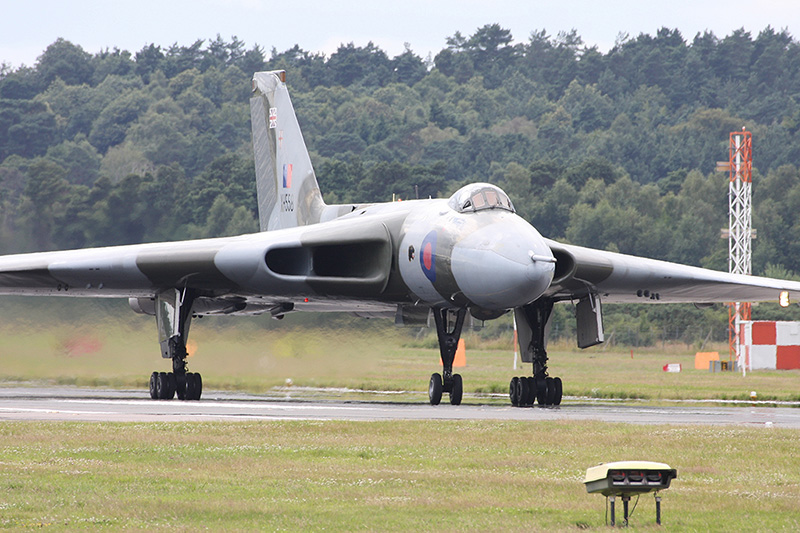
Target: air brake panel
column 590, row 322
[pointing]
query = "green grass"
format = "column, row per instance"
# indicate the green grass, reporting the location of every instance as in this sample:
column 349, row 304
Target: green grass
column 395, row 476
column 251, row 358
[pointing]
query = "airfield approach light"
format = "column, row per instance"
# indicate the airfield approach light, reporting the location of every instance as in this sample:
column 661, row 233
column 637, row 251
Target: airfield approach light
column 783, row 299
column 626, row 478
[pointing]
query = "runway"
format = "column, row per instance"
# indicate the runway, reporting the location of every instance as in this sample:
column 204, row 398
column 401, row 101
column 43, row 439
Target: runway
column 94, row 405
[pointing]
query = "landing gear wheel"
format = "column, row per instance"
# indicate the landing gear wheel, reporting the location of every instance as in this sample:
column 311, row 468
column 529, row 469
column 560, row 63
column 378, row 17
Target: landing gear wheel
column 198, row 386
column 524, row 391
column 194, row 386
column 167, row 385
column 180, row 386
column 531, row 398
column 190, row 385
column 456, row 390
column 173, row 385
column 558, row 390
column 162, row 385
column 551, row 390
column 512, row 391
column 541, row 391
column 153, row 391
column 435, row 389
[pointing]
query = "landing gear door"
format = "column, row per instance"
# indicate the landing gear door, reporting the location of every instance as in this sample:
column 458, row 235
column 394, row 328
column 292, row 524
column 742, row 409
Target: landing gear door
column 533, row 328
column 590, row 322
column 172, row 318
column 524, row 335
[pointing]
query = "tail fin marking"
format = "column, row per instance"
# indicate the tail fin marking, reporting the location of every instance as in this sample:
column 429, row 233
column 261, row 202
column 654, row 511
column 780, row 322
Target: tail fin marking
column 288, row 193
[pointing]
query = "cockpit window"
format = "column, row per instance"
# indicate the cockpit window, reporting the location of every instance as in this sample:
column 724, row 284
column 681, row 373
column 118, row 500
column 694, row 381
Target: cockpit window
column 480, row 196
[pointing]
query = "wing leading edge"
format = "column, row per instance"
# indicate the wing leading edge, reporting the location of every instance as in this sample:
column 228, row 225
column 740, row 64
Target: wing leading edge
column 620, row 278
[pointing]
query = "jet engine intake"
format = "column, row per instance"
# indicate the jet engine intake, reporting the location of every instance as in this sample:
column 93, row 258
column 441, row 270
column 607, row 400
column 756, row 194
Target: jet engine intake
column 358, row 264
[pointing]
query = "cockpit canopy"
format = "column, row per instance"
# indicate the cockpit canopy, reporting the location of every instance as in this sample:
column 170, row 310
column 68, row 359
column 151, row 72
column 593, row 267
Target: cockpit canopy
column 480, row 196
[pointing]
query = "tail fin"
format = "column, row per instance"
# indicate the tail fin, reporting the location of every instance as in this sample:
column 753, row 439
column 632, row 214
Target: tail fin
column 288, row 193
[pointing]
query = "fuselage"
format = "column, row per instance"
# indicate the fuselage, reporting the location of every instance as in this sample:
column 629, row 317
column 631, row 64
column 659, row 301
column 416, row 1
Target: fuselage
column 421, row 252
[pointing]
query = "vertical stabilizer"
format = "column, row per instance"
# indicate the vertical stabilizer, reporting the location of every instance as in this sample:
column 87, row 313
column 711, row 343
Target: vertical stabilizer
column 288, row 193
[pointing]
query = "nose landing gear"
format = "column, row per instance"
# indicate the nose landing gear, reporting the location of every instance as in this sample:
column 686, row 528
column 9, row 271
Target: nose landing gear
column 449, row 324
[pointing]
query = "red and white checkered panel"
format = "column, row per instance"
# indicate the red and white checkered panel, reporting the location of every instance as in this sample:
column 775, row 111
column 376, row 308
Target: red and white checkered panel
column 773, row 345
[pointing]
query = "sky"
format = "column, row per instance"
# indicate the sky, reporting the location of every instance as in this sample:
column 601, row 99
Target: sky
column 27, row 27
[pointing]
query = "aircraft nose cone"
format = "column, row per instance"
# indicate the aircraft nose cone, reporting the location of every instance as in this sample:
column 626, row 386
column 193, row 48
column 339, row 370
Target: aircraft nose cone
column 503, row 265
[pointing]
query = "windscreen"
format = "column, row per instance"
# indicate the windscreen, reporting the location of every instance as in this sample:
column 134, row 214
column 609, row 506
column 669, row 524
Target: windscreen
column 480, row 196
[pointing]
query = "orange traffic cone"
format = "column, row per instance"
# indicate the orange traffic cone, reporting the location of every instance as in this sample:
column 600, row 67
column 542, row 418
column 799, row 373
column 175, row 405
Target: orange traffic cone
column 460, row 359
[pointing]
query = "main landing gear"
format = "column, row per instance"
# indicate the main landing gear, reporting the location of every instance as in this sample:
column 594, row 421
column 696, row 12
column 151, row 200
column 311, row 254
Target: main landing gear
column 187, row 385
column 532, row 321
column 448, row 328
column 173, row 317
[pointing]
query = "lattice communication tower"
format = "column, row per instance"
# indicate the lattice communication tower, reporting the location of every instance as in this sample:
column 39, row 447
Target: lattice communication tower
column 740, row 235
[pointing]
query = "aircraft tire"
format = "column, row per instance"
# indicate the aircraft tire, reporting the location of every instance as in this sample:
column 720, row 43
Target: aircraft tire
column 173, row 385
column 551, row 390
column 162, row 385
column 512, row 391
column 190, row 386
column 180, row 390
column 530, row 399
column 559, row 390
column 456, row 390
column 198, row 386
column 435, row 388
column 523, row 391
column 541, row 391
column 153, row 391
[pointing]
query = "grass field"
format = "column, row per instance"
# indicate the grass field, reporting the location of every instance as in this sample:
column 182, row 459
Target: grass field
column 388, row 476
column 379, row 357
column 395, row 476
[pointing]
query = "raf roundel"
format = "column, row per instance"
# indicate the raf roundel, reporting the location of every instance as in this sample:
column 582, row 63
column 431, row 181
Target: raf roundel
column 427, row 259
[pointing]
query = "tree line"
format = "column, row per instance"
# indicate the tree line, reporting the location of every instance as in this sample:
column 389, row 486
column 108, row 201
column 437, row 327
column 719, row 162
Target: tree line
column 612, row 150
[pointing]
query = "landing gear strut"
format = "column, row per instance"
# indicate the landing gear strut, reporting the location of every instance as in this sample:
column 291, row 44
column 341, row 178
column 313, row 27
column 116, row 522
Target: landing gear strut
column 173, row 317
column 532, row 322
column 448, row 328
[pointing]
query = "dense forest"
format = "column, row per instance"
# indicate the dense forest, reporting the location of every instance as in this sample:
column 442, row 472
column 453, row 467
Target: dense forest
column 610, row 150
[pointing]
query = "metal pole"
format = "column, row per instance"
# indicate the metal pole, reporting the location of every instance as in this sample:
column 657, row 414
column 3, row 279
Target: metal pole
column 612, row 499
column 658, row 510
column 625, row 500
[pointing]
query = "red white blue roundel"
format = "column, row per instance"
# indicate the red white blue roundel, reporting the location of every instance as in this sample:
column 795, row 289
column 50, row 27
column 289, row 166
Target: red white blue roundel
column 427, row 256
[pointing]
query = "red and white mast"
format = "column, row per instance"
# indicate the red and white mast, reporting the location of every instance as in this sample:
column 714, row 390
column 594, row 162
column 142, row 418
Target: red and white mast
column 740, row 235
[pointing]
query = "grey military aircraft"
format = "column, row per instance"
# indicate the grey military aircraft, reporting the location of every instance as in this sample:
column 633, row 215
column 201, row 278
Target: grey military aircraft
column 467, row 254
